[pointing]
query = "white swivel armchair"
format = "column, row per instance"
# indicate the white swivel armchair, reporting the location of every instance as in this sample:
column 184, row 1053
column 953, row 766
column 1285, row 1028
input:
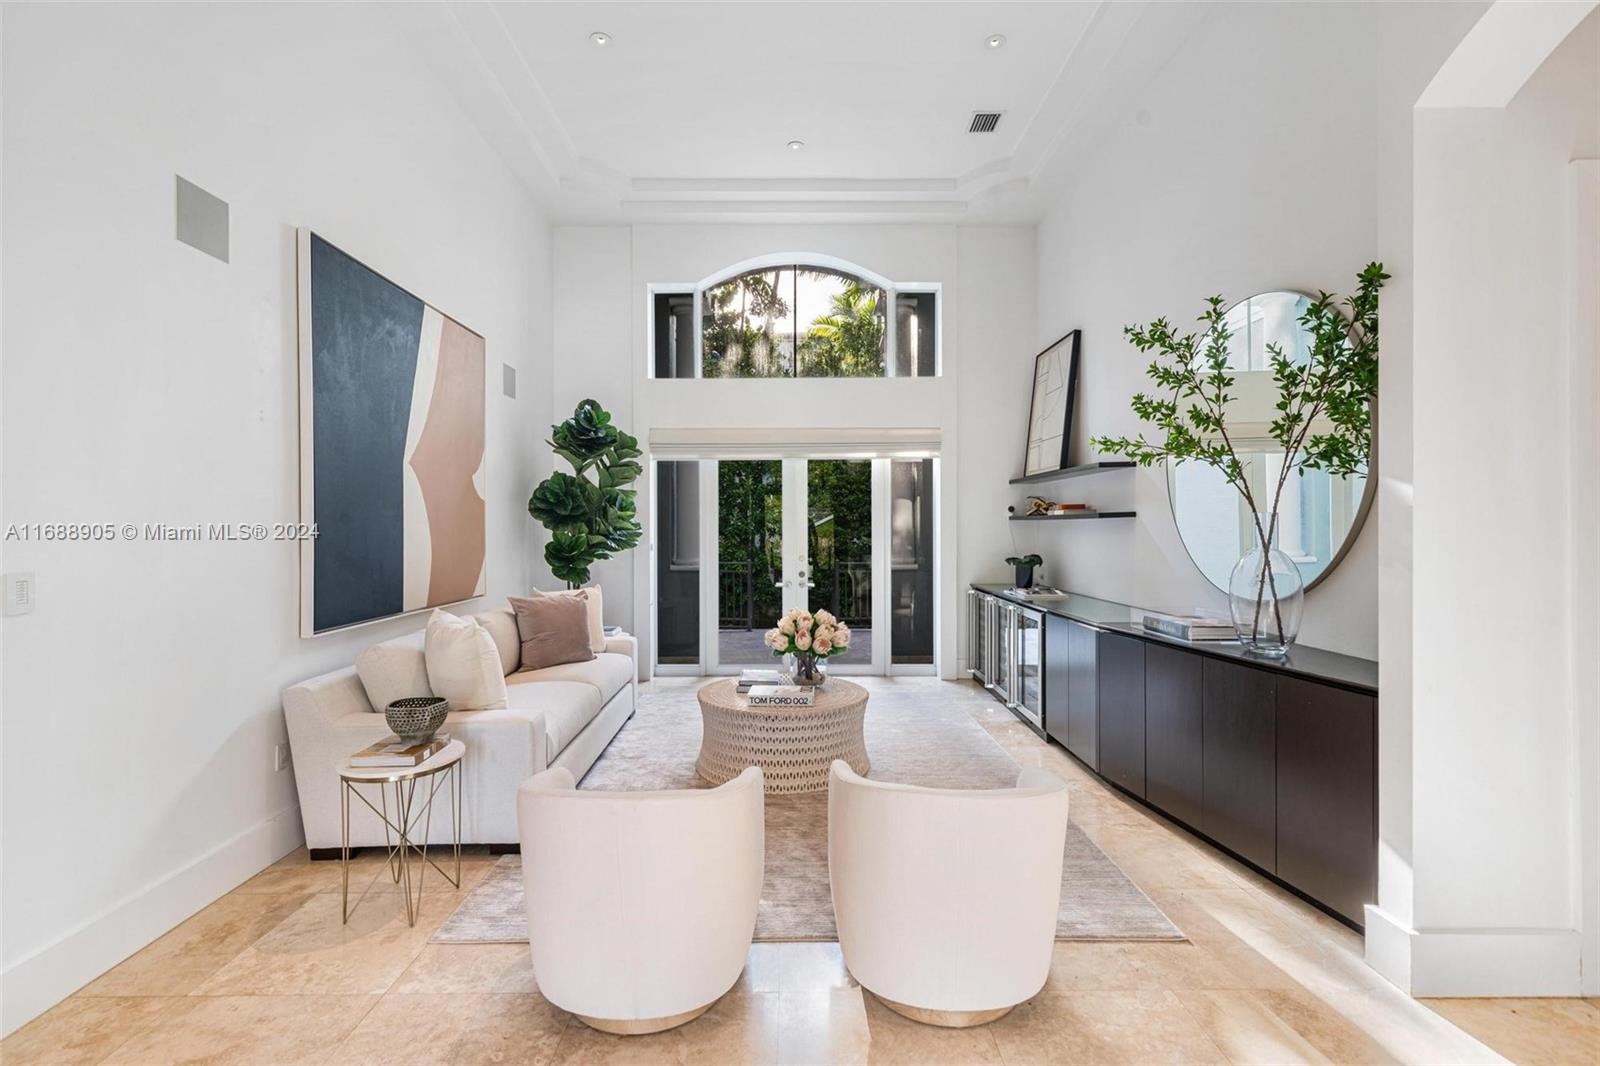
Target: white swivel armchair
column 946, row 899
column 641, row 905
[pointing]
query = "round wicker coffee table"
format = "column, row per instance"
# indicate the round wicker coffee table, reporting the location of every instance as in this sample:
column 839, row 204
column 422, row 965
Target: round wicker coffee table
column 794, row 746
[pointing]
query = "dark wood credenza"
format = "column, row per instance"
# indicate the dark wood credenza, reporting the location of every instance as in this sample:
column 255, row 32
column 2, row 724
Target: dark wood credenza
column 1274, row 762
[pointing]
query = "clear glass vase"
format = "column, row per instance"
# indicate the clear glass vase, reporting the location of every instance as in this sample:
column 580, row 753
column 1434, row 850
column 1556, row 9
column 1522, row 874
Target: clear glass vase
column 806, row 668
column 1266, row 594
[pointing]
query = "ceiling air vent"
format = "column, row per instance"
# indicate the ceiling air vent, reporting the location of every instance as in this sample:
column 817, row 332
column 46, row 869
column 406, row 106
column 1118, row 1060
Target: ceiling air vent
column 984, row 121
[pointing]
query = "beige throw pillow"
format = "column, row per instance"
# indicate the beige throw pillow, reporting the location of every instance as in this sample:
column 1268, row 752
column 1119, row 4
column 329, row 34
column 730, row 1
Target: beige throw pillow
column 591, row 596
column 554, row 630
column 463, row 663
column 393, row 670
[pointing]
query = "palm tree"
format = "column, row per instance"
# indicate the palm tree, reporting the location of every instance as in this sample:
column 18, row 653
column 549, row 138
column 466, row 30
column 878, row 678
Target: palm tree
column 848, row 341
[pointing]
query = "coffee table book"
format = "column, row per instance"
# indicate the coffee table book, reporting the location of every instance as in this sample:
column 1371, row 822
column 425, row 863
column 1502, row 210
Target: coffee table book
column 782, row 696
column 392, row 751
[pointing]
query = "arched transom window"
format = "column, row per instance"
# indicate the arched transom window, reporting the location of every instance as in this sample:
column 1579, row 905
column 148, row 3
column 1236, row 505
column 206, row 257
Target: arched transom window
column 795, row 317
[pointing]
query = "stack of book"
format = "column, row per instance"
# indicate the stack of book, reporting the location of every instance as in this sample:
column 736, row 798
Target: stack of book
column 392, row 751
column 748, row 679
column 782, row 696
column 1193, row 626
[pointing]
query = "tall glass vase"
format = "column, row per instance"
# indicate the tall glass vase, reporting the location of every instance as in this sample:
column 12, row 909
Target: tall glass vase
column 1266, row 594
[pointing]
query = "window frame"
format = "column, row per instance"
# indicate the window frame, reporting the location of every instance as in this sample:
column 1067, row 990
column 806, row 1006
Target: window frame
column 798, row 260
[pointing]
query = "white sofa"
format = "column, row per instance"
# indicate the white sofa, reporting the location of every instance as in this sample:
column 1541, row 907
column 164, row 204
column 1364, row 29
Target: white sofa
column 559, row 716
column 946, row 899
column 640, row 905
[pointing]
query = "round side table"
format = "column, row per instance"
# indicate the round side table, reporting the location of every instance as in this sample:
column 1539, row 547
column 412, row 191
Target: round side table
column 442, row 770
column 794, row 746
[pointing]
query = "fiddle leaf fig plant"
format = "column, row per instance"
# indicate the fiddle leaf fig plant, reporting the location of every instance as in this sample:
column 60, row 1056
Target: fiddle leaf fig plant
column 588, row 519
column 1332, row 390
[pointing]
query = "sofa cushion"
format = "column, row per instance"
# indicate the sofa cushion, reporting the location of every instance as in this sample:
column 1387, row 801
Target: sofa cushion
column 463, row 663
column 608, row 672
column 502, row 627
column 567, row 706
column 393, row 671
column 554, row 630
column 596, row 615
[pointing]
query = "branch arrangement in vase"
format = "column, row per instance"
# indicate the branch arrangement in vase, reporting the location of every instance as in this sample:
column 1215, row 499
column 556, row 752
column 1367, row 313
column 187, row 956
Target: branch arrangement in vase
column 1323, row 415
column 588, row 520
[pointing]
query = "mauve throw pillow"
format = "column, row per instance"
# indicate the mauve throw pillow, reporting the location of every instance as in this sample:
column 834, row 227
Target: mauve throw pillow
column 554, row 630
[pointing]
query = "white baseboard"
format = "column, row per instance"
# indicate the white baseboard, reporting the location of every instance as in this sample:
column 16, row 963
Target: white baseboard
column 1474, row 962
column 35, row 983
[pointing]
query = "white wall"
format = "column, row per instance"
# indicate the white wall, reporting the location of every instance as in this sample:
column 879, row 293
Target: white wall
column 144, row 381
column 1502, row 412
column 987, row 321
column 1211, row 184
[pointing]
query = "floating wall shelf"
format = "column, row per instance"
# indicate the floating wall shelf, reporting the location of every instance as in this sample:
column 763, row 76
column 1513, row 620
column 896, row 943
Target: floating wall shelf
column 1071, row 471
column 1072, row 516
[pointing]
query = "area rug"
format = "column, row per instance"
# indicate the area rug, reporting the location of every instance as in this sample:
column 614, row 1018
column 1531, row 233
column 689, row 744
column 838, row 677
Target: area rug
column 917, row 733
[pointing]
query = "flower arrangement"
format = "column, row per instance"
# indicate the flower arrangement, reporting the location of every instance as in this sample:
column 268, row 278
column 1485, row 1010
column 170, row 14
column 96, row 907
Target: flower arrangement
column 810, row 638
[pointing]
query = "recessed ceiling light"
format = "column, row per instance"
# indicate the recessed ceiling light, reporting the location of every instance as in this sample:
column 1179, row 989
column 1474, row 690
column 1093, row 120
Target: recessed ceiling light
column 795, row 146
column 995, row 40
column 599, row 39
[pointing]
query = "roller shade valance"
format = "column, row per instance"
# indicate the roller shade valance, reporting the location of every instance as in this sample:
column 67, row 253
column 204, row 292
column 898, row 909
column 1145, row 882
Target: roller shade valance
column 760, row 443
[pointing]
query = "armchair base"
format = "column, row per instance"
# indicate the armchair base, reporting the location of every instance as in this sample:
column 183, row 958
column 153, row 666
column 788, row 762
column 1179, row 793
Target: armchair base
column 948, row 1019
column 643, row 1026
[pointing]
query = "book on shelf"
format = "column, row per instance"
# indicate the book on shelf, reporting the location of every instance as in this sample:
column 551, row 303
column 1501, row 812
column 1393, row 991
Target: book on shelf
column 1191, row 626
column 392, row 751
column 750, row 678
column 782, row 696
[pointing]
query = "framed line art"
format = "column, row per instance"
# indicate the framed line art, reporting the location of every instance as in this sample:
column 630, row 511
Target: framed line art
column 392, row 428
column 1055, row 387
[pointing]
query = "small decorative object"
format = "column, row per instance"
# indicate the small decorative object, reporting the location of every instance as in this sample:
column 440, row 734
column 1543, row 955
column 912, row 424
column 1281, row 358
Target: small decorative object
column 588, row 520
column 416, row 719
column 1323, row 421
column 1055, row 386
column 807, row 641
column 1024, row 565
column 1038, row 505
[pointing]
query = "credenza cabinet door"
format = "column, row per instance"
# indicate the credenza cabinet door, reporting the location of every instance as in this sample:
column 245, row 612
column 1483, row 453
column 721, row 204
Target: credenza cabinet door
column 1120, row 665
column 1083, row 716
column 1238, row 712
column 1173, row 768
column 1327, row 810
column 1057, row 670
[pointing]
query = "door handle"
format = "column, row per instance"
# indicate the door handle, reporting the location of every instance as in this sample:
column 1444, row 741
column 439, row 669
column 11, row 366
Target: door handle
column 780, row 584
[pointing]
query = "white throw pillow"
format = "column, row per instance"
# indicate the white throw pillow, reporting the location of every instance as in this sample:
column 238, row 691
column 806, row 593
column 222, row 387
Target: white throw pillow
column 393, row 670
column 463, row 663
column 591, row 595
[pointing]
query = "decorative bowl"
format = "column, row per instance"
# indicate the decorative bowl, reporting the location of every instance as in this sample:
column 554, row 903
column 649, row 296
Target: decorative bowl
column 416, row 718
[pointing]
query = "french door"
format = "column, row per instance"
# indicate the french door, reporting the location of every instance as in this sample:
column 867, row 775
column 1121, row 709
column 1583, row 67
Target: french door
column 738, row 542
column 797, row 534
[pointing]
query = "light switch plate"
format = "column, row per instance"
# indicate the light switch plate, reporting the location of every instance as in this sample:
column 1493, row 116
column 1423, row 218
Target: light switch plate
column 19, row 593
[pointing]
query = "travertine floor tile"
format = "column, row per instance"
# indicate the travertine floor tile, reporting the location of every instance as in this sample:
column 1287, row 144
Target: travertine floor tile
column 310, row 952
column 247, row 1029
column 460, row 968
column 83, row 1030
column 410, row 1030
column 1103, row 1027
column 1084, row 966
column 1247, row 1030
column 823, row 1027
column 295, row 873
column 1556, row 1032
column 795, row 967
column 179, row 962
column 512, row 1029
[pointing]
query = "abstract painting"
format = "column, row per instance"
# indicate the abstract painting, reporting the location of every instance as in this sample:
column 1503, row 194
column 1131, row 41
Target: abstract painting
column 391, row 446
column 1055, row 386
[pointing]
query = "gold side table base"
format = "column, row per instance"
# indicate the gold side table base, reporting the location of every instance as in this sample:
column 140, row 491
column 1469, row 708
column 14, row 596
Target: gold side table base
column 403, row 856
